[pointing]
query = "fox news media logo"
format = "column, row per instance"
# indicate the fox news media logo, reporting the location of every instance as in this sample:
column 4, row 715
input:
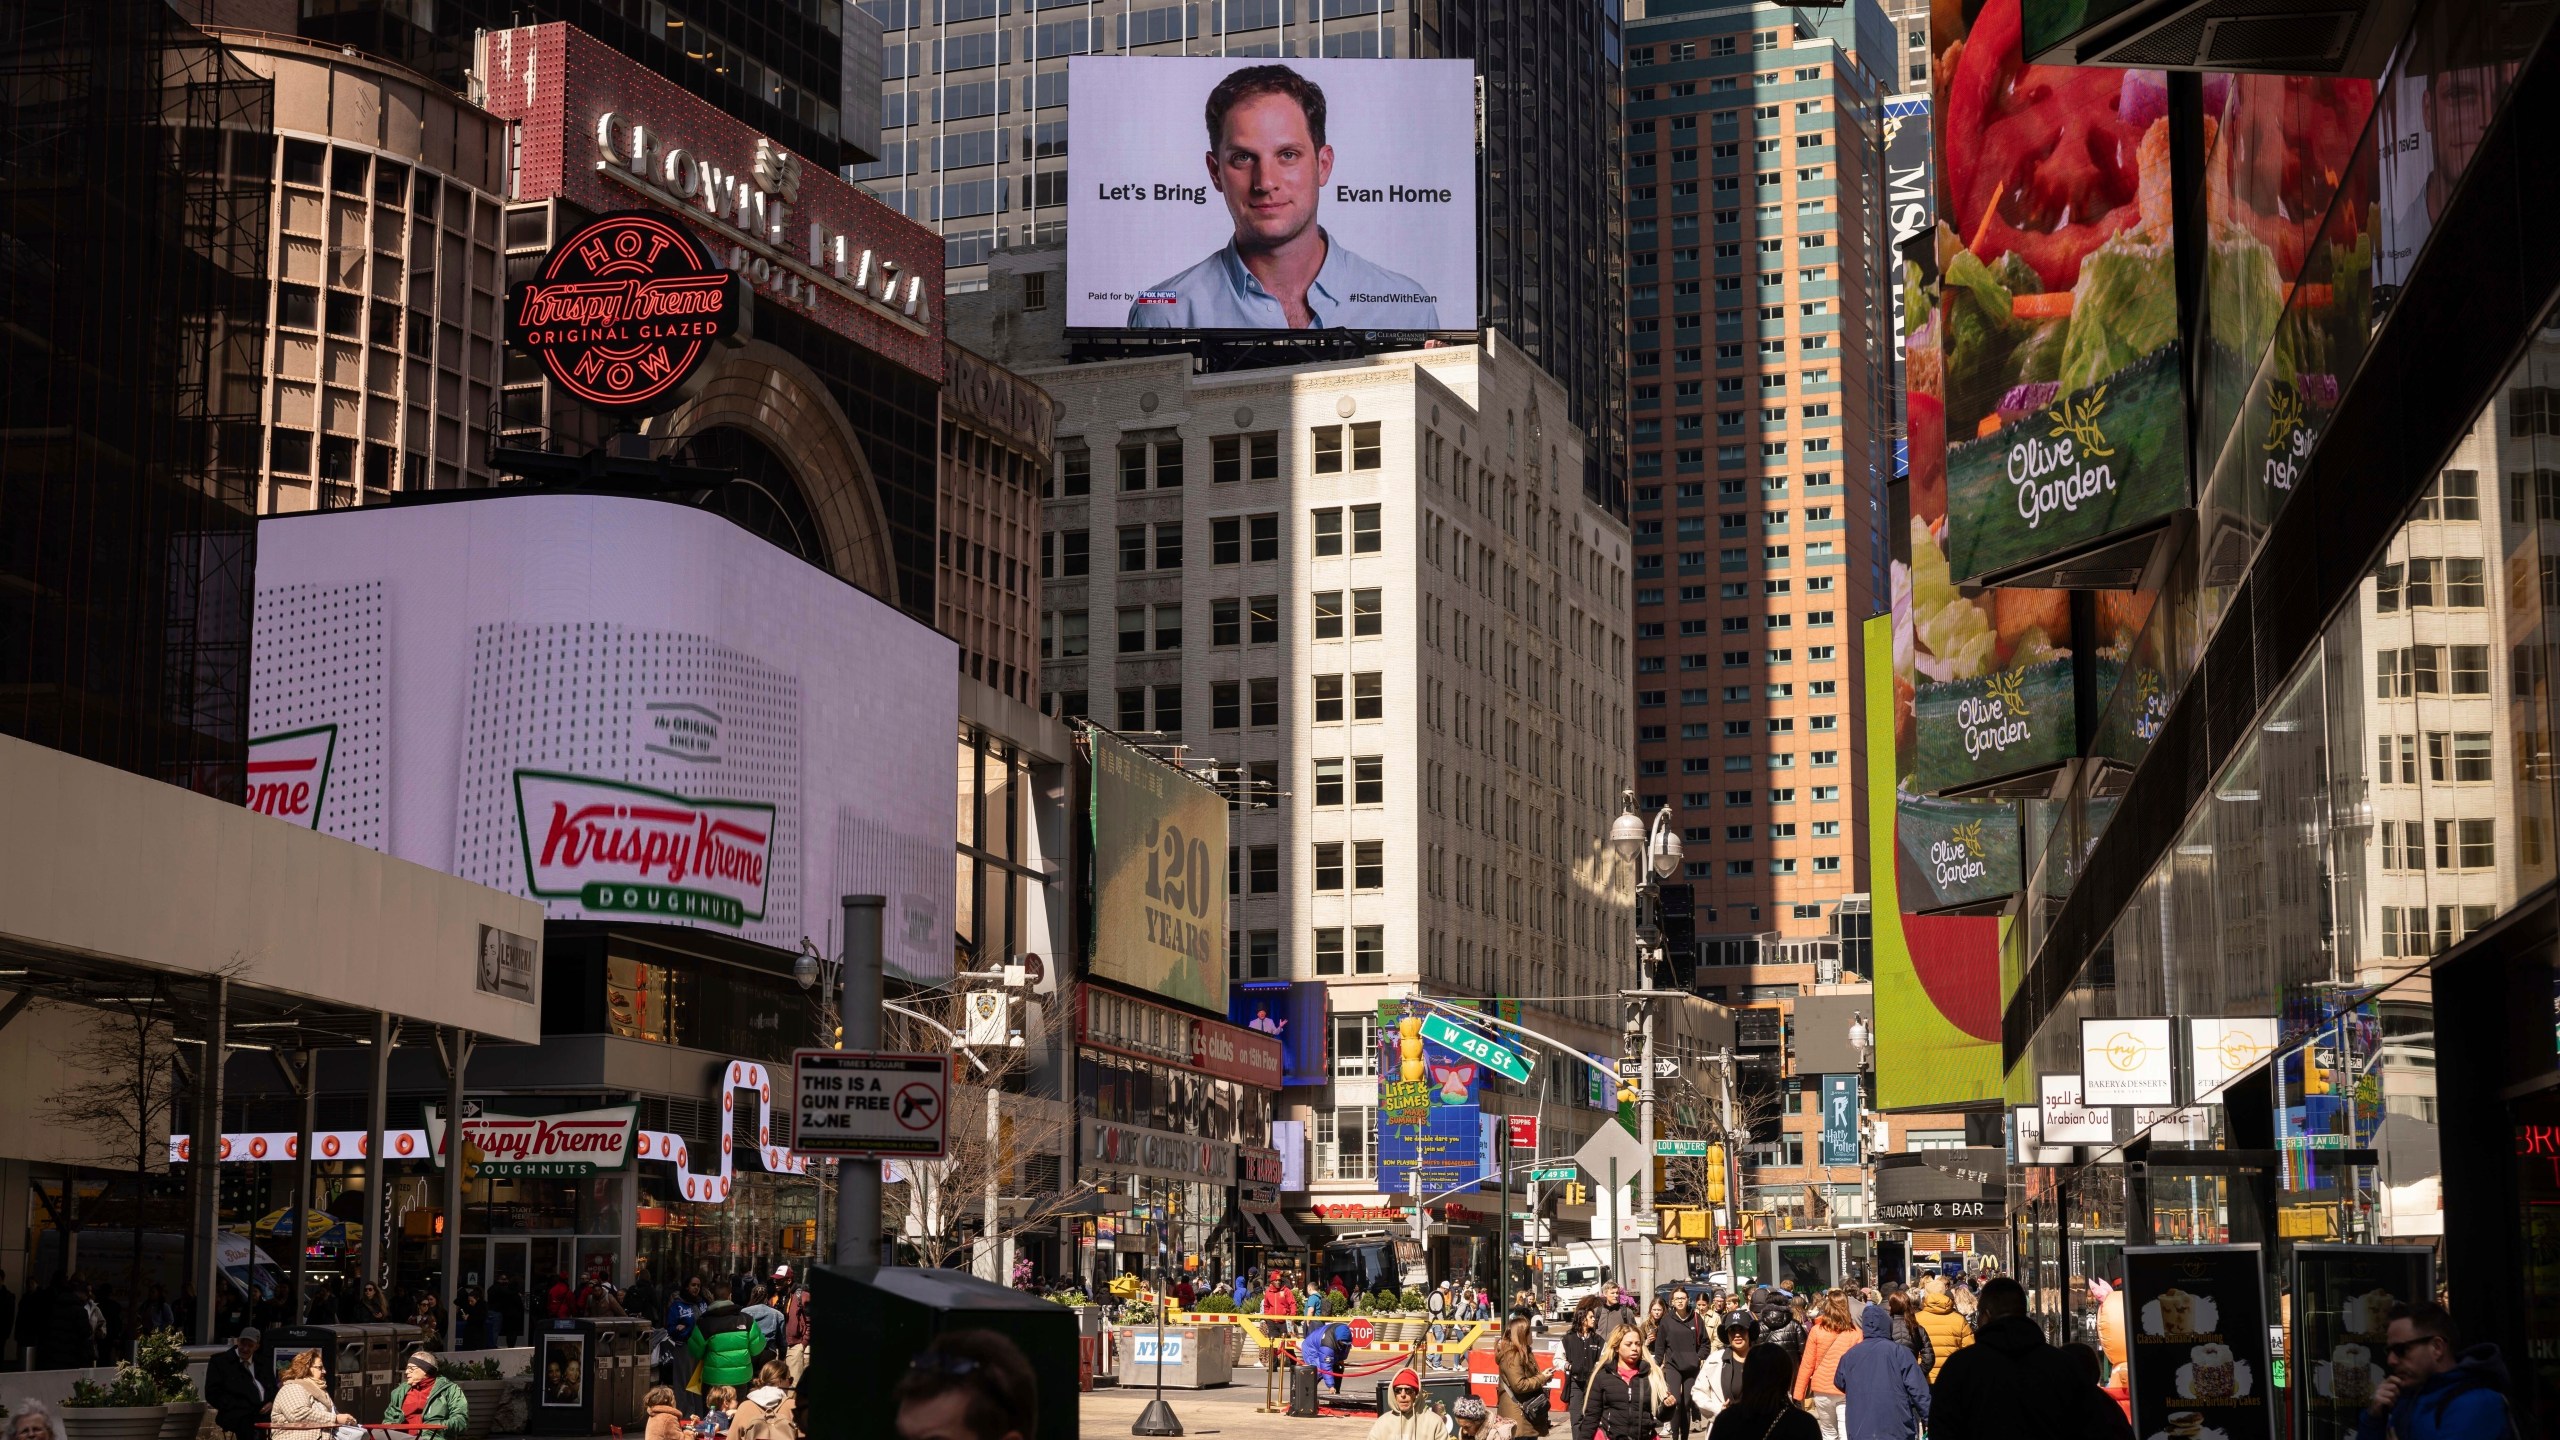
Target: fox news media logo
column 624, row 311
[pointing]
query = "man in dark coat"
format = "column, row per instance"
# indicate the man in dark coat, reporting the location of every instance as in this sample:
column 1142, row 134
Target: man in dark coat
column 2010, row 1382
column 240, row 1383
column 67, row 1340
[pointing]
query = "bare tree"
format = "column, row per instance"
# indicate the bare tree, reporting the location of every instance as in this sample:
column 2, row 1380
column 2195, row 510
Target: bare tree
column 940, row 1208
column 126, row 1104
column 1691, row 1106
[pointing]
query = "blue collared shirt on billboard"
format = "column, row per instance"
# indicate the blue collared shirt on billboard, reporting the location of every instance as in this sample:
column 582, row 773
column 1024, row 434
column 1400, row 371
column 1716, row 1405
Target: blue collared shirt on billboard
column 1839, row 1119
column 1348, row 293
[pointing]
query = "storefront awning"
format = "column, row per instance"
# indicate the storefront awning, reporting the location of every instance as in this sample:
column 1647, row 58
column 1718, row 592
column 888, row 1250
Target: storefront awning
column 1274, row 1226
column 1257, row 1229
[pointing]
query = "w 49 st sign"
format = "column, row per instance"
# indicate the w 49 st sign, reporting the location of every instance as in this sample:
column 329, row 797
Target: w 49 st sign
column 854, row 1104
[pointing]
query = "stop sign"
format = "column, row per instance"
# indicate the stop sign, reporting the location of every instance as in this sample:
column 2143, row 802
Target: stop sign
column 1361, row 1330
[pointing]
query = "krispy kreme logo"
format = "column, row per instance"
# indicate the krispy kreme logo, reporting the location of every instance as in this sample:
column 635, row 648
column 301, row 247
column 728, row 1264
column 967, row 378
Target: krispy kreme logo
column 623, row 311
column 289, row 773
column 624, row 849
column 580, row 1143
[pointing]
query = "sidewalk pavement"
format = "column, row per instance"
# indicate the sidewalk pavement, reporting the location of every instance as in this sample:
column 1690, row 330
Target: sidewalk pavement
column 1232, row 1412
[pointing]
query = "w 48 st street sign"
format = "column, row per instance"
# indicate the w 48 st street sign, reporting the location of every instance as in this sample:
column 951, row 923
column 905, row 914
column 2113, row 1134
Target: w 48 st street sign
column 1492, row 1054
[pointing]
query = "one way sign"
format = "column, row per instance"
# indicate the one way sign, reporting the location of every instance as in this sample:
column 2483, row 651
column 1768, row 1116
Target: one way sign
column 848, row 1104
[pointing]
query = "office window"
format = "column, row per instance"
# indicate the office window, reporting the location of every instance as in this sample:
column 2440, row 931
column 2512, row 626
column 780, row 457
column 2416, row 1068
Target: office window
column 1328, row 610
column 2466, row 844
column 1328, row 699
column 1254, row 456
column 1346, row 1136
column 1226, row 708
column 1169, row 545
column 1133, row 629
column 1355, row 1050
column 1262, row 615
column 1328, row 866
column 1368, row 616
column 1168, row 464
column 1168, row 627
column 1369, row 865
column 1133, row 548
column 1366, row 452
column 1369, row 780
column 1133, row 467
column 1263, row 537
column 1075, row 471
column 1074, row 553
column 1264, row 691
column 1369, row 700
column 1262, row 954
column 1328, row 532
column 1366, row 537
column 1327, row 452
column 1369, row 948
column 1328, row 950
column 1133, row 708
column 1226, row 540
column 1328, row 783
column 1226, row 622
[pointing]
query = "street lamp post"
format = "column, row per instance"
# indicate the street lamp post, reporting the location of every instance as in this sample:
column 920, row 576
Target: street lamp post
column 1655, row 852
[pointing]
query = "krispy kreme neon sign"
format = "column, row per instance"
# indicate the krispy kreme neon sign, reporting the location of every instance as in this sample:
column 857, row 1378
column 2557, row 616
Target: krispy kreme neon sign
column 624, row 311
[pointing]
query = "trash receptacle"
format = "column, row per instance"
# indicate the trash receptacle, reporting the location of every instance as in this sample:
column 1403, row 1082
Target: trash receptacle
column 567, row 1355
column 868, row 1322
column 1302, row 1391
column 620, row 1367
column 342, row 1358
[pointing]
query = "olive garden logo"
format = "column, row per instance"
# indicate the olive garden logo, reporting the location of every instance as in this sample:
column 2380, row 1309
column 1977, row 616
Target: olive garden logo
column 2290, row 433
column 2150, row 705
column 1996, row 719
column 2055, row 472
column 1962, row 857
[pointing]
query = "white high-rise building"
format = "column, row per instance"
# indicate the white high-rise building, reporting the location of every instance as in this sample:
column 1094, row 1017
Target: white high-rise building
column 1372, row 594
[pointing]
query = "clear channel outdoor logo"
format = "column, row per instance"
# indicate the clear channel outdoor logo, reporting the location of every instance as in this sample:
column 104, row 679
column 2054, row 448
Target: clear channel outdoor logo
column 627, row 849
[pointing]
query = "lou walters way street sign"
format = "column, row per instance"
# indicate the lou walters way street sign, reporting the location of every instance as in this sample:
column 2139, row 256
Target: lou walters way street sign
column 854, row 1104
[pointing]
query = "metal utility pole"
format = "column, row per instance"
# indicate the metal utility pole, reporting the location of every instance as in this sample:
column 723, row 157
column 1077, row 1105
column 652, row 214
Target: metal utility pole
column 457, row 1061
column 377, row 1166
column 204, row 1155
column 858, row 1181
column 1655, row 852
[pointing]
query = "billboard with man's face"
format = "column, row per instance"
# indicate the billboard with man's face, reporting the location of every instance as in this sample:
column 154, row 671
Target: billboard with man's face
column 1217, row 193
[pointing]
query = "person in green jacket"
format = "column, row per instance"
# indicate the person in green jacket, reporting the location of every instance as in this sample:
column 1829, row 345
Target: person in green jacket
column 724, row 1345
column 426, row 1397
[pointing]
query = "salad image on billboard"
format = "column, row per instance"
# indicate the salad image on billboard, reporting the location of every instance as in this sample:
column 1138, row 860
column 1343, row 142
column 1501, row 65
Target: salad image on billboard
column 1983, row 684
column 1262, row 195
column 2064, row 413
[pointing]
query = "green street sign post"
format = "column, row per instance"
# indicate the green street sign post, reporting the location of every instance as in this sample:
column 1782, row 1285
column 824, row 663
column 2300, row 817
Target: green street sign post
column 1458, row 1039
column 1675, row 1148
column 1553, row 1172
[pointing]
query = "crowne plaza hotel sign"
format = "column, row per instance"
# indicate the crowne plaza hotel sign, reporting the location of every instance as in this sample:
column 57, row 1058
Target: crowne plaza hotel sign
column 608, row 135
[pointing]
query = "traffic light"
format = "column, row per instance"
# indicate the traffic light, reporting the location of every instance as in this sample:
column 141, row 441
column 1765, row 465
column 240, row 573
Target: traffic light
column 1576, row 1193
column 1676, row 913
column 1627, row 1093
column 1715, row 1174
column 473, row 1157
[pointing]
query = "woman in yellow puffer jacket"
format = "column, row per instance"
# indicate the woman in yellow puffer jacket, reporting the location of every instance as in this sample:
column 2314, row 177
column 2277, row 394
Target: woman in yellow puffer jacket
column 1948, row 1332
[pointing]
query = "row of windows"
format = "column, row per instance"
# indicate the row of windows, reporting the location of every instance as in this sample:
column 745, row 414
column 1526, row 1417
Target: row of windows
column 1246, row 455
column 1736, row 764
column 2412, row 670
column 2455, row 756
column 1255, row 869
column 2459, row 844
column 1731, row 659
column 1736, row 729
column 1736, row 590
column 1732, row 625
column 1065, row 634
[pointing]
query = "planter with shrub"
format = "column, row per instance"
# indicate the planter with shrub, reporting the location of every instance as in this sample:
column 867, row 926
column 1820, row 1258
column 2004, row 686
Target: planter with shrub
column 127, row 1408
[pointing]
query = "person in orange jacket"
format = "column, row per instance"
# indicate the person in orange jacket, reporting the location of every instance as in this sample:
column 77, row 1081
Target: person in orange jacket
column 1817, row 1374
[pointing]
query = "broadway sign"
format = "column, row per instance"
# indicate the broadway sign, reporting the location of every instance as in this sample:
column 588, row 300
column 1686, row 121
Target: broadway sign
column 624, row 311
column 583, row 1143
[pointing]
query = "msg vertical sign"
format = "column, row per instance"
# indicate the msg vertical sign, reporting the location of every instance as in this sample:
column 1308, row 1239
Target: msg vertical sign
column 849, row 1104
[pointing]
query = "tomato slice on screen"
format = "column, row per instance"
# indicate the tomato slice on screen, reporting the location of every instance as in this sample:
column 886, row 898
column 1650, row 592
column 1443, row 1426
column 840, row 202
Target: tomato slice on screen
column 2039, row 160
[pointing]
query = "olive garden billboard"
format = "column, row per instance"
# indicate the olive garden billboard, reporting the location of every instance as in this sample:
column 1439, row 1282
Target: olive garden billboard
column 1159, row 876
column 2064, row 407
column 1938, row 985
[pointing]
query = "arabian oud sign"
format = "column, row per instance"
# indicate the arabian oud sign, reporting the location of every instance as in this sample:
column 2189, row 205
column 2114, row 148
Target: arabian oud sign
column 625, row 310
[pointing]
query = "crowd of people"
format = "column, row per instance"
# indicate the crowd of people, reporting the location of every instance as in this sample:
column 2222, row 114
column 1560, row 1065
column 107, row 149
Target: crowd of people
column 1946, row 1359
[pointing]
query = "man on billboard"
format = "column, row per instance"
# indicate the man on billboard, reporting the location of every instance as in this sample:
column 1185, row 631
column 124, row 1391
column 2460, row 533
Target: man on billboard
column 1268, row 158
